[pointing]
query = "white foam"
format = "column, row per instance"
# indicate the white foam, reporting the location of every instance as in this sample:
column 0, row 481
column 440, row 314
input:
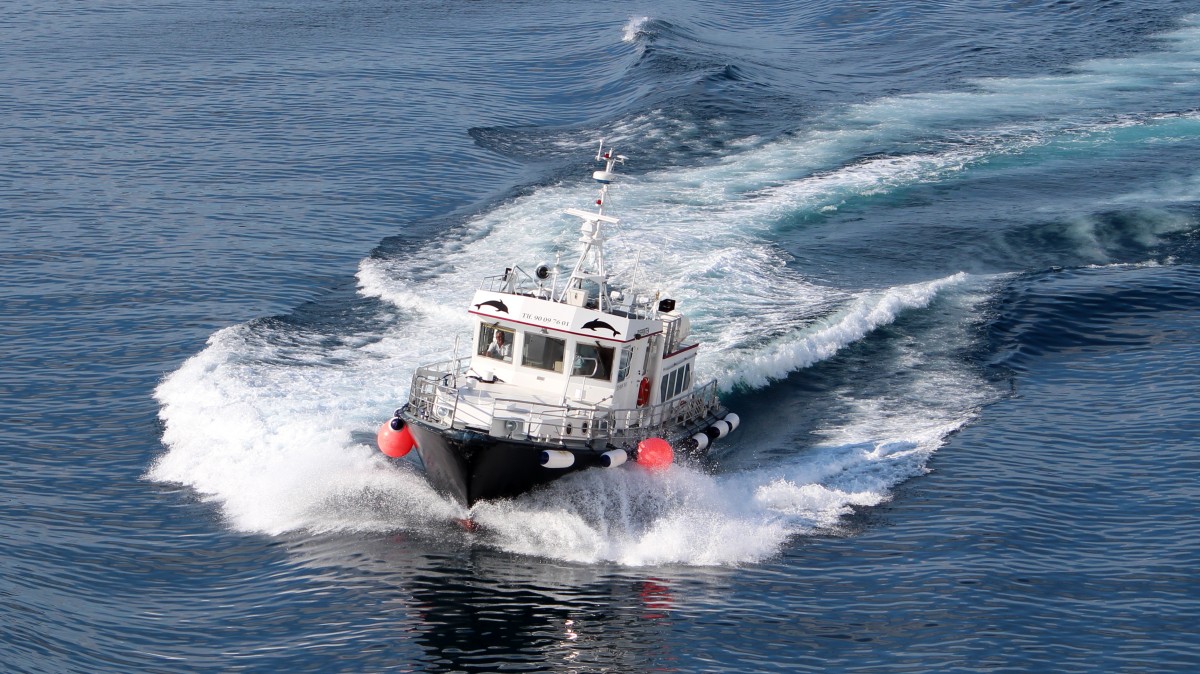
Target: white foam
column 1179, row 190
column 267, row 433
column 284, row 455
column 273, row 425
column 758, row 366
column 684, row 516
column 633, row 28
column 633, row 517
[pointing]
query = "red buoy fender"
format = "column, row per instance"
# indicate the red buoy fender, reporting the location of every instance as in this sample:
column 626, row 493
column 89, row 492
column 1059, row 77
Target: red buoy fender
column 655, row 454
column 394, row 438
column 643, row 392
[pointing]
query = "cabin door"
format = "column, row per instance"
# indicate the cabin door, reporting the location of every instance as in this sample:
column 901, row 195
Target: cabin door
column 650, row 371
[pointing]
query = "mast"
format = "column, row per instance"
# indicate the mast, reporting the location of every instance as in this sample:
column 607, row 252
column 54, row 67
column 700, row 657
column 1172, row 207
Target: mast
column 588, row 284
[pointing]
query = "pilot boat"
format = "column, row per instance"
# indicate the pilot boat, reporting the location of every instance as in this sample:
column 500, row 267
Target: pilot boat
column 564, row 375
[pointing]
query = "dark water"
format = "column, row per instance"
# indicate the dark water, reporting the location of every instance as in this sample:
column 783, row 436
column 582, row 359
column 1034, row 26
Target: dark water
column 943, row 257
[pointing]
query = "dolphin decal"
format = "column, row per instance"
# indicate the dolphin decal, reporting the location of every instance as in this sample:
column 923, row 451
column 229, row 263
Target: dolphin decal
column 495, row 304
column 596, row 324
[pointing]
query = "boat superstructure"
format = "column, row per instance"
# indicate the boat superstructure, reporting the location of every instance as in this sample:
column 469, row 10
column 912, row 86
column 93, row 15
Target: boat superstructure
column 564, row 374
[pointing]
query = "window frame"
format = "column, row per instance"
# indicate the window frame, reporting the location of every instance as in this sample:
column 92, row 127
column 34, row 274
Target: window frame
column 487, row 332
column 603, row 357
column 623, row 366
column 532, row 338
column 675, row 382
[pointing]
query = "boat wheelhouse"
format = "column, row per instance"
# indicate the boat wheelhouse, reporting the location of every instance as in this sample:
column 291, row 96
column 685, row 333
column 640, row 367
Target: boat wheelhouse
column 564, row 374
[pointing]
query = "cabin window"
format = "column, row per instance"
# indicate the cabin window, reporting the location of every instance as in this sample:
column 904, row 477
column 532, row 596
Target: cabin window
column 675, row 382
column 593, row 361
column 542, row 352
column 623, row 369
column 495, row 342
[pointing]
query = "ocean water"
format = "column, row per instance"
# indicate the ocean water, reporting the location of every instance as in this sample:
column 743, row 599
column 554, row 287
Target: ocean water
column 943, row 257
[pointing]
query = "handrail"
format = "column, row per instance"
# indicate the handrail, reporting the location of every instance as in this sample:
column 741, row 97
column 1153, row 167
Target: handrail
column 434, row 398
column 516, row 281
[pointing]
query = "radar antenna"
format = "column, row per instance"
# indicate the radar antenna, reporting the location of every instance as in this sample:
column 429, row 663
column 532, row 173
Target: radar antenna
column 588, row 283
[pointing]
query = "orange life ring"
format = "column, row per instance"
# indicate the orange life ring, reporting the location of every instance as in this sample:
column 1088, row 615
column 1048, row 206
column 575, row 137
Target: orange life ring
column 643, row 392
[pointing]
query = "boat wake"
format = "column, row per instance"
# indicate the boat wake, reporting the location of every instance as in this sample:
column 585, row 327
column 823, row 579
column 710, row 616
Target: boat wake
column 779, row 482
column 298, row 405
column 688, row 516
column 293, row 449
column 273, row 421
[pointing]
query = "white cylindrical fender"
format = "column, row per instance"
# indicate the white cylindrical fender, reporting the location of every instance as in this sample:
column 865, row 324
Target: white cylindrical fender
column 557, row 458
column 701, row 441
column 722, row 427
column 733, row 420
column 614, row 458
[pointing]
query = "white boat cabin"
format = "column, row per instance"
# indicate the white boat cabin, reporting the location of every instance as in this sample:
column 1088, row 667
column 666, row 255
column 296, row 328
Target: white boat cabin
column 563, row 354
column 571, row 361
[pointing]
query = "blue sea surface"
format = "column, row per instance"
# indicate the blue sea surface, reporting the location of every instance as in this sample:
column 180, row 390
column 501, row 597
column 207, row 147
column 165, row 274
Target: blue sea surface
column 944, row 259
